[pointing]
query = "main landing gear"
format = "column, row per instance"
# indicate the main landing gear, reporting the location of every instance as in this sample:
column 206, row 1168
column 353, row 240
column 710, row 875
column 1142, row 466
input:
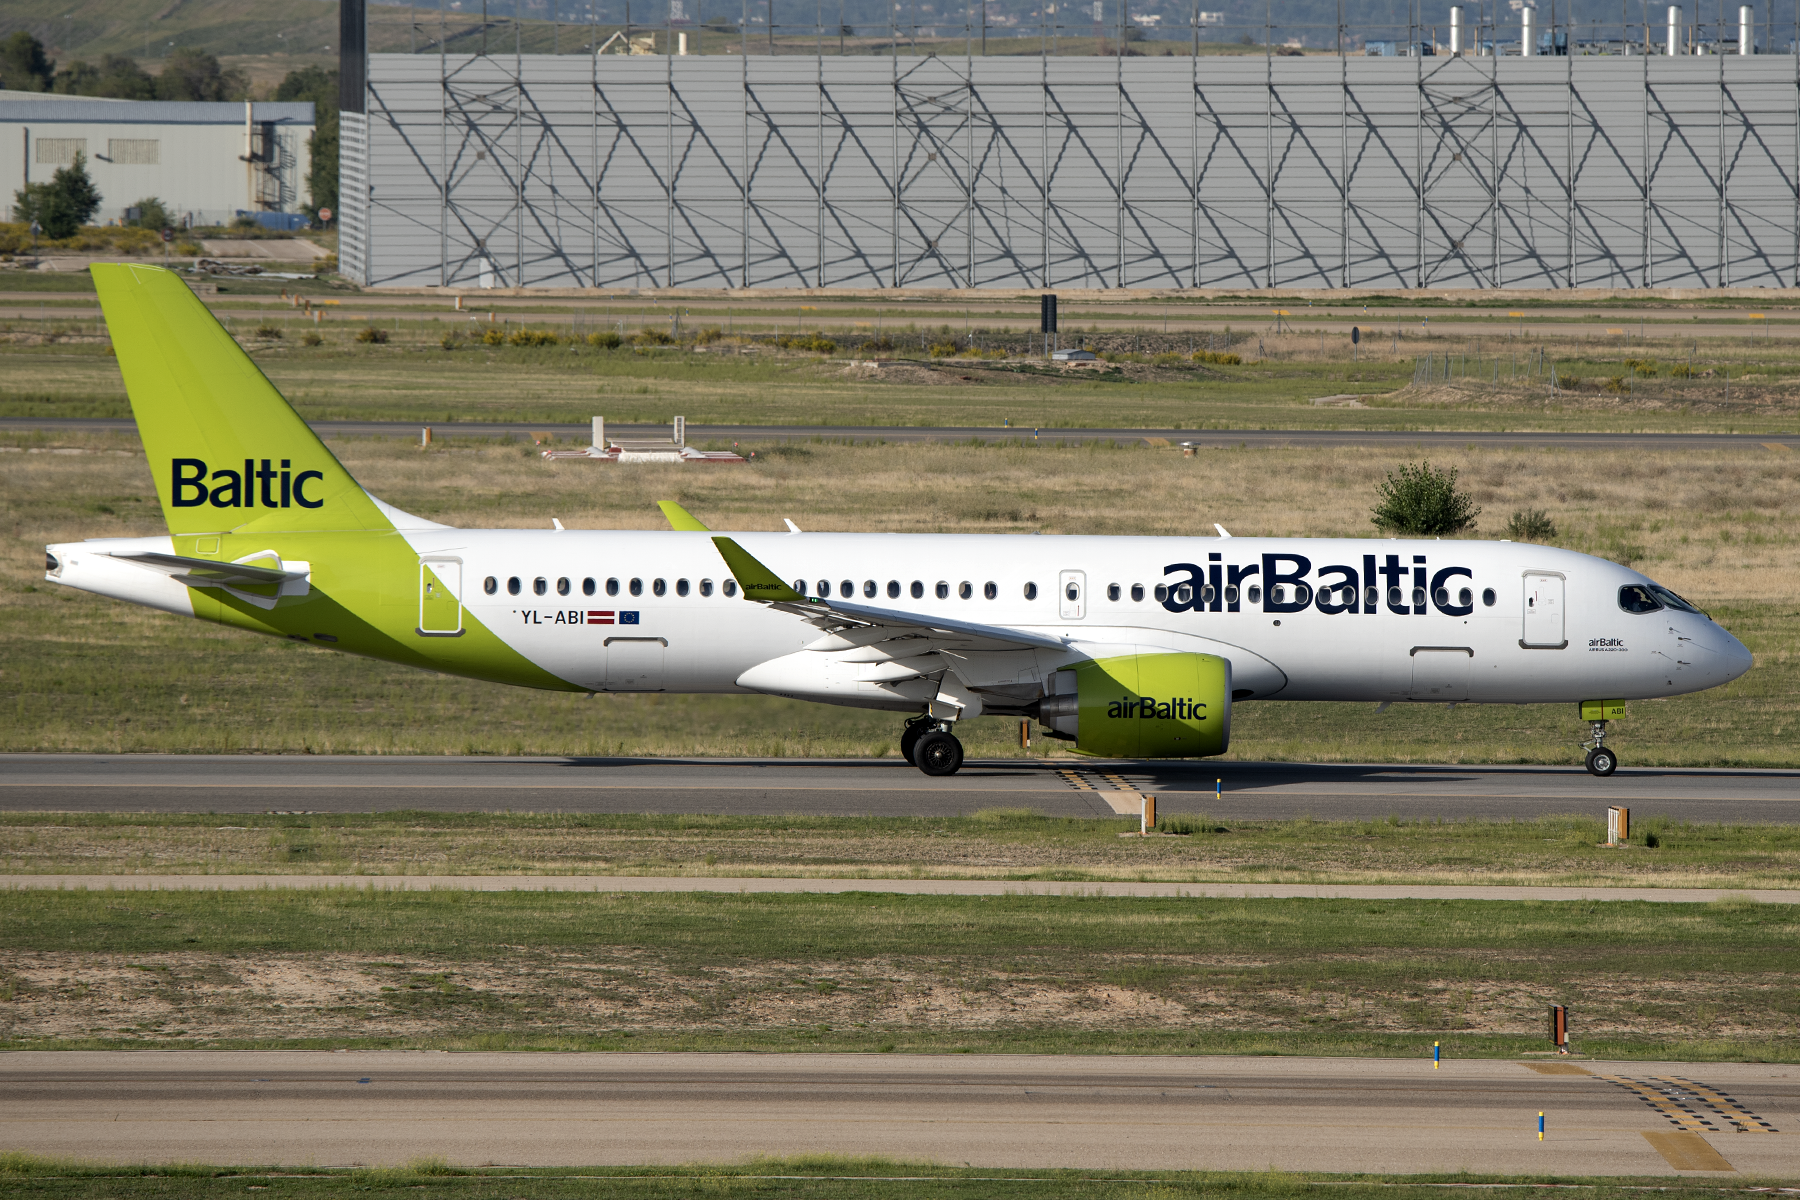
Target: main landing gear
column 928, row 744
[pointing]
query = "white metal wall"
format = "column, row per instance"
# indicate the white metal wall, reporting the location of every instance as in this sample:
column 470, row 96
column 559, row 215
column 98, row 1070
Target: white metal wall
column 729, row 171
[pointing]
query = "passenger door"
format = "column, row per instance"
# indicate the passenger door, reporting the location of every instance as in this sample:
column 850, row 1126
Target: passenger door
column 634, row 664
column 1071, row 595
column 1543, row 621
column 440, row 597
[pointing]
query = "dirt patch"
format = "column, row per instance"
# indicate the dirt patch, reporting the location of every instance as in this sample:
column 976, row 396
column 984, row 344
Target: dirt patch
column 71, row 997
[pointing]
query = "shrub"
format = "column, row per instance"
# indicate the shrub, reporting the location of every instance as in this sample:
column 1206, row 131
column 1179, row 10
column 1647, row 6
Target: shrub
column 1423, row 500
column 1617, row 384
column 880, row 345
column 187, row 249
column 1647, row 370
column 493, row 337
column 268, row 331
column 311, row 338
column 1568, row 383
column 945, row 350
column 707, row 337
column 531, row 337
column 809, row 343
column 450, row 340
column 372, row 336
column 1681, row 371
column 1531, row 525
column 1166, row 360
column 1217, row 357
column 605, row 341
column 652, row 337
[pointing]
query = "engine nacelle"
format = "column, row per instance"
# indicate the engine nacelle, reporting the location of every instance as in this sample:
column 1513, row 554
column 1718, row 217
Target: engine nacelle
column 1143, row 705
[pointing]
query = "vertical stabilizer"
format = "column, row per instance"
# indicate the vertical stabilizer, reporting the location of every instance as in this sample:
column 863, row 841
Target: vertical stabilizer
column 229, row 454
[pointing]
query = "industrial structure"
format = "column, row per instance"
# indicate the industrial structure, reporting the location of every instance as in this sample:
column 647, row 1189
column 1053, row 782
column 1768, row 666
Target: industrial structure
column 1452, row 166
column 205, row 161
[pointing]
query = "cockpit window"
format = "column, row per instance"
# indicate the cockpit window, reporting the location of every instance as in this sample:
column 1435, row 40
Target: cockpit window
column 1671, row 600
column 1636, row 598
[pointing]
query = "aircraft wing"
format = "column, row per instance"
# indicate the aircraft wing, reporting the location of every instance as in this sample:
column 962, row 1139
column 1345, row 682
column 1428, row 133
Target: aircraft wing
column 852, row 627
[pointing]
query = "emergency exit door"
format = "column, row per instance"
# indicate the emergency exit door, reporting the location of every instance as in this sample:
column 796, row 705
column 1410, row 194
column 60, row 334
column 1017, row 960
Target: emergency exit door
column 1071, row 595
column 1543, row 617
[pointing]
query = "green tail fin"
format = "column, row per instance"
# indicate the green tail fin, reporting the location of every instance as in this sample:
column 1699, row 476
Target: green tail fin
column 228, row 452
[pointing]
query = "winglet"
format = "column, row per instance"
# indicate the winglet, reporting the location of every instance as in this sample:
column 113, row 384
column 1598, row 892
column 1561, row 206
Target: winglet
column 679, row 518
column 758, row 582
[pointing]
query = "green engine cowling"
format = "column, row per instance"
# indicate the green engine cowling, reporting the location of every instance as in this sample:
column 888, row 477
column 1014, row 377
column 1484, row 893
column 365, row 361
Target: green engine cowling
column 1143, row 705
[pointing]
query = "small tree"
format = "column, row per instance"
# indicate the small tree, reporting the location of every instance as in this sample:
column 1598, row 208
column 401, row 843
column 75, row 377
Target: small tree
column 1423, row 500
column 152, row 214
column 62, row 206
column 24, row 67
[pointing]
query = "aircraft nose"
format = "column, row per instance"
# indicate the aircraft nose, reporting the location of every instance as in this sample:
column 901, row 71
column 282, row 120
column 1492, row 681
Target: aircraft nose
column 1736, row 657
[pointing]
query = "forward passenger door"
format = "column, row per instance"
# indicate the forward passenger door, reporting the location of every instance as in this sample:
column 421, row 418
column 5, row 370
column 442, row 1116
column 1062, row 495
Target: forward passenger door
column 1543, row 611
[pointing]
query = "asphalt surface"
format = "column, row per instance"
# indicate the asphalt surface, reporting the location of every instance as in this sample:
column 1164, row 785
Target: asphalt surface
column 1001, row 1111
column 878, row 787
column 1222, row 438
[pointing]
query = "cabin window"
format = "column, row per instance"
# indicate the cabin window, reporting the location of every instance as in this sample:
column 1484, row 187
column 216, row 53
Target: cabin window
column 587, row 586
column 800, row 586
column 1418, row 597
column 1031, row 591
column 846, row 589
column 1112, row 591
column 1488, row 597
column 490, row 585
column 658, row 587
column 1183, row 593
column 893, row 589
column 943, row 590
column 729, row 587
column 681, row 587
column 1161, row 593
column 1277, row 593
column 1394, row 597
column 1255, row 594
column 512, row 586
column 990, row 589
column 965, row 589
column 635, row 587
column 1207, row 594
column 612, row 587
column 1137, row 593
column 562, row 586
column 706, row 587
column 1231, row 593
column 1465, row 598
column 824, row 589
column 1441, row 597
column 541, row 586
column 918, row 589
column 1372, row 598
column 870, row 587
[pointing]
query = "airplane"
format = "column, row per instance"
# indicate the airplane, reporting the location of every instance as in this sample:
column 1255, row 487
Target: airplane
column 1130, row 647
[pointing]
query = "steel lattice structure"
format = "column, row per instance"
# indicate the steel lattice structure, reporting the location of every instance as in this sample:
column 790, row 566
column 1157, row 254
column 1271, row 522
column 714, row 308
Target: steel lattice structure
column 722, row 171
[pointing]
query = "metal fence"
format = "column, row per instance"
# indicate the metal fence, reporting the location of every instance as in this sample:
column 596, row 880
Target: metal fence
column 614, row 171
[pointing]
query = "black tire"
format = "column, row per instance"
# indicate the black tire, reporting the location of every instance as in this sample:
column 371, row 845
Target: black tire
column 938, row 753
column 1602, row 762
column 909, row 739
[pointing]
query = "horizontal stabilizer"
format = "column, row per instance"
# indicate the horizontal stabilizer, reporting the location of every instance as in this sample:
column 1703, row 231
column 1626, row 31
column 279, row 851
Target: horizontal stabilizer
column 205, row 572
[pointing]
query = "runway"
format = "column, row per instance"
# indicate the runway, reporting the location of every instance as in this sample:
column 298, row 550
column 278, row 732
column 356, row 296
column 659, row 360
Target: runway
column 1024, row 1111
column 1259, row 439
column 873, row 787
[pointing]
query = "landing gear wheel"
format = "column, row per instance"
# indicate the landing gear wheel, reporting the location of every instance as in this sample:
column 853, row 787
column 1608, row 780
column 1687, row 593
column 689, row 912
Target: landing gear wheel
column 1601, row 761
column 909, row 737
column 938, row 753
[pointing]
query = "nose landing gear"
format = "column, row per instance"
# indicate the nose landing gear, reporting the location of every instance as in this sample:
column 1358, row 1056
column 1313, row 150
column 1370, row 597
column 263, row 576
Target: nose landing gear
column 1600, row 761
column 928, row 744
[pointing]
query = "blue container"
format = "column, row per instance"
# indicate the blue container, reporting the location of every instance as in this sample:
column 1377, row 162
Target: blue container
column 284, row 222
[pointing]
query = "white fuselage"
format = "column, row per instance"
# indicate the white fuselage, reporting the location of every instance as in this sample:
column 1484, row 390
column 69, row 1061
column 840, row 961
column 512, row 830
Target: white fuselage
column 1541, row 624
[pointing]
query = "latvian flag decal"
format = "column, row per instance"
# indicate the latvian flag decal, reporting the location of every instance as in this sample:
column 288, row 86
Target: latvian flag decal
column 609, row 618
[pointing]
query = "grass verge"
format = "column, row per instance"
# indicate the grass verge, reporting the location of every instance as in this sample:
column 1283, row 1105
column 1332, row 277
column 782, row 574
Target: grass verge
column 995, row 844
column 812, row 1177
column 1067, row 974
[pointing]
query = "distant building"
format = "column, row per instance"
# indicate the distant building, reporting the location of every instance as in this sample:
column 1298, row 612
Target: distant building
column 205, row 162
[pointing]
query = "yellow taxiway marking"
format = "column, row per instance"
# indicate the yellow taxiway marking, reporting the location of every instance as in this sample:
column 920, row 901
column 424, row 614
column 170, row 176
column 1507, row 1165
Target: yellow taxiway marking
column 1687, row 1151
column 1673, row 1106
column 1745, row 1120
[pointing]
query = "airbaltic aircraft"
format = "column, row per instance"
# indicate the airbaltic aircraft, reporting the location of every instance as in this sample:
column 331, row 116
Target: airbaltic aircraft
column 1123, row 646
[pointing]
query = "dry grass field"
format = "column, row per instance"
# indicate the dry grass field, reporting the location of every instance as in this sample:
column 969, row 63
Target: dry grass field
column 81, row 673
